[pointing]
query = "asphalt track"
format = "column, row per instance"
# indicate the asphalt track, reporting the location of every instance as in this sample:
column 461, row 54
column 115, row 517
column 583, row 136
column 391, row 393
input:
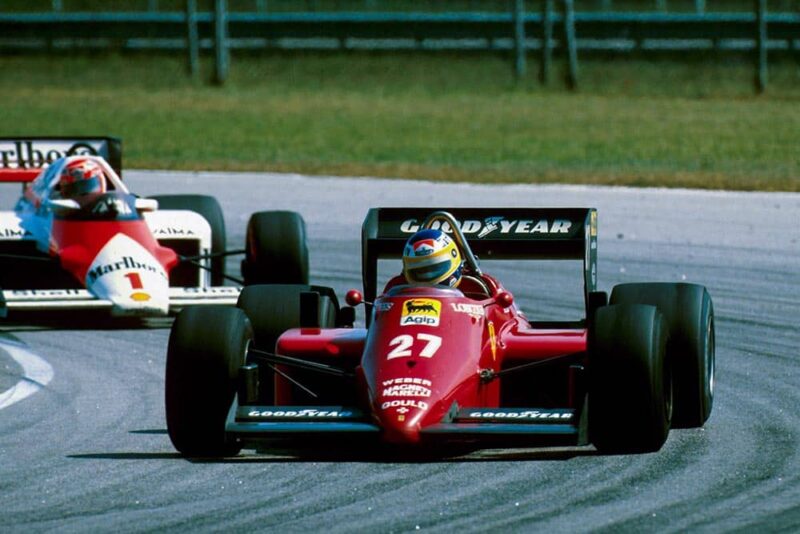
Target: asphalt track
column 89, row 451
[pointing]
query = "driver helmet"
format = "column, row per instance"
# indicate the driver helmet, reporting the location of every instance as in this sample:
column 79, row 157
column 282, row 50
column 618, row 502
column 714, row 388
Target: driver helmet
column 431, row 258
column 82, row 177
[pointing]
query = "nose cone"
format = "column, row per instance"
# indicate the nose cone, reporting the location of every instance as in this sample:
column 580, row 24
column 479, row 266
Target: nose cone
column 125, row 273
column 401, row 406
column 422, row 354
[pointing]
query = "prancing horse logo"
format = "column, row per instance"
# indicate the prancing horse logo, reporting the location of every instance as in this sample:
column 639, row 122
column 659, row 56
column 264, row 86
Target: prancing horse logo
column 411, row 307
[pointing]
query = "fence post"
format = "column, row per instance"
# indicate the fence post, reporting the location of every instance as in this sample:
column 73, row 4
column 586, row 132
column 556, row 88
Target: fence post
column 152, row 5
column 761, row 45
column 700, row 6
column 221, row 56
column 519, row 38
column 547, row 40
column 572, row 45
column 58, row 6
column 192, row 40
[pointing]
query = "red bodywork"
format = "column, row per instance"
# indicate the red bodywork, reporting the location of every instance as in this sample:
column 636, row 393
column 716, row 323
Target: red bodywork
column 77, row 243
column 76, row 237
column 421, row 359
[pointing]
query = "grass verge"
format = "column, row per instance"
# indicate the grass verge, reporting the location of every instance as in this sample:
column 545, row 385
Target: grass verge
column 689, row 123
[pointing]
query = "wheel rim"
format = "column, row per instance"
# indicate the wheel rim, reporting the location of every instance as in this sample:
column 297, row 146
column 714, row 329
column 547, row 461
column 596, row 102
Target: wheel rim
column 709, row 357
column 668, row 392
column 246, row 351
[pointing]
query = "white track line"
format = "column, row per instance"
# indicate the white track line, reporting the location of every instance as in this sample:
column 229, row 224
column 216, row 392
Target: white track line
column 37, row 373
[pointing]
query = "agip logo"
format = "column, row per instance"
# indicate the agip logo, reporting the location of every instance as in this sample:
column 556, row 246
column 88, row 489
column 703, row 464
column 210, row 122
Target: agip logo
column 424, row 312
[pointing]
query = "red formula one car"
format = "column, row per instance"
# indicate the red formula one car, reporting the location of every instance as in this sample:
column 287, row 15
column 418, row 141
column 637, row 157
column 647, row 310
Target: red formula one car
column 78, row 239
column 443, row 365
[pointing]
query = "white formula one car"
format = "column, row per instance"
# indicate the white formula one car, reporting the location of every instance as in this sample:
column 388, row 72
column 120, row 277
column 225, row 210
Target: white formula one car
column 79, row 239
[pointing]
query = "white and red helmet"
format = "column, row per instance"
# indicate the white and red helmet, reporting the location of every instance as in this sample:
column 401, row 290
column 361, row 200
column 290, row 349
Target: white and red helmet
column 82, row 177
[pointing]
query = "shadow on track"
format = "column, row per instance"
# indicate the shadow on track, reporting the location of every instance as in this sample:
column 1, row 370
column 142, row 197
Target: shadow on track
column 361, row 453
column 127, row 456
column 85, row 320
column 273, row 456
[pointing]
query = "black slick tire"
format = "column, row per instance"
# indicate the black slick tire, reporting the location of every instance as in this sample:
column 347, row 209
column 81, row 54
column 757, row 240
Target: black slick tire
column 275, row 249
column 689, row 313
column 207, row 346
column 630, row 392
column 209, row 208
column 275, row 308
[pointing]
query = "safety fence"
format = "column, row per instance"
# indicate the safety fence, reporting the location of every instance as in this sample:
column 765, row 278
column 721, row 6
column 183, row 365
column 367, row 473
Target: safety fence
column 518, row 26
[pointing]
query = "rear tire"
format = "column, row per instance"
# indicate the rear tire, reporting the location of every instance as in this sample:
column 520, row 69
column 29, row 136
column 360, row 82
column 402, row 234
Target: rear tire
column 207, row 346
column 274, row 309
column 276, row 250
column 211, row 211
column 689, row 313
column 630, row 388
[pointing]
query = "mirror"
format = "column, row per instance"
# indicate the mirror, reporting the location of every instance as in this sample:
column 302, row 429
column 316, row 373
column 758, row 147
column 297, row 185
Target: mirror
column 504, row 299
column 354, row 297
column 65, row 204
column 146, row 204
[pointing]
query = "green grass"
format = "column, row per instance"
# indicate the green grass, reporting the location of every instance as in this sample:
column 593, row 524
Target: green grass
column 382, row 5
column 445, row 117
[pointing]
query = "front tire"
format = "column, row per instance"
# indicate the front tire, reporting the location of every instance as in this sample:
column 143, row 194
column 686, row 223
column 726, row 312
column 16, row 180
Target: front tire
column 630, row 386
column 207, row 346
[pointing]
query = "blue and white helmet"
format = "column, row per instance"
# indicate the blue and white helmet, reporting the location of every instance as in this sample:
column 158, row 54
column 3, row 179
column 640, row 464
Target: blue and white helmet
column 431, row 258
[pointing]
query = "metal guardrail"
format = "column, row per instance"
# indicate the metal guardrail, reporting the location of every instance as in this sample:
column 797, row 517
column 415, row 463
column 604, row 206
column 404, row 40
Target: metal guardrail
column 556, row 25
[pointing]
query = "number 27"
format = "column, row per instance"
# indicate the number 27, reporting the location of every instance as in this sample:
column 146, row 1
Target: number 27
column 402, row 346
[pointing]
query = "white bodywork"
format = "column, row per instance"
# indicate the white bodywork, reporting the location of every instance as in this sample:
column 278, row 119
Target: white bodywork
column 11, row 228
column 125, row 273
column 124, row 277
column 176, row 224
column 81, row 299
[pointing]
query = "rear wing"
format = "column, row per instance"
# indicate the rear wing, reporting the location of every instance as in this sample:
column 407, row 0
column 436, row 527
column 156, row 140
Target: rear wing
column 22, row 158
column 492, row 233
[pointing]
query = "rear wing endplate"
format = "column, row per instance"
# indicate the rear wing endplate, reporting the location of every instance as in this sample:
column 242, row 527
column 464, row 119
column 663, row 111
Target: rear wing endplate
column 22, row 158
column 492, row 233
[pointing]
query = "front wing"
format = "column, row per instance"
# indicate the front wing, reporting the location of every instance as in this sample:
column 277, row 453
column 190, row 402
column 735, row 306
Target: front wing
column 503, row 427
column 81, row 299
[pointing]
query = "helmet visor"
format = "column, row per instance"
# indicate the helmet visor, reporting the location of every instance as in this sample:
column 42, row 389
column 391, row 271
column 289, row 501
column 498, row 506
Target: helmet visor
column 81, row 187
column 429, row 272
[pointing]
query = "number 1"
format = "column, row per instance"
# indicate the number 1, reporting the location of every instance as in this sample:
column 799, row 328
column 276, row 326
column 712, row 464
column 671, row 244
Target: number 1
column 135, row 279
